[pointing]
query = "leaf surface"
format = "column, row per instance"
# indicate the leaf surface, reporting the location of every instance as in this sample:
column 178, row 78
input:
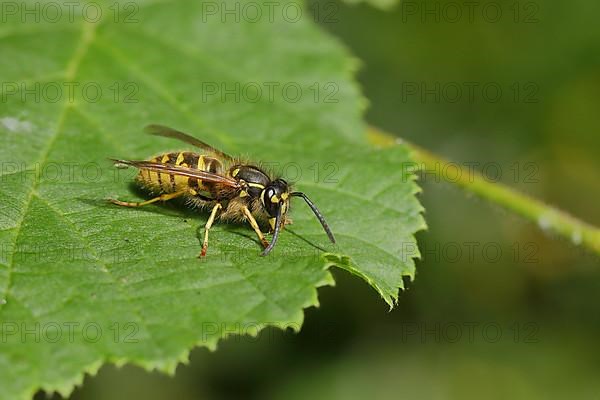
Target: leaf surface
column 83, row 282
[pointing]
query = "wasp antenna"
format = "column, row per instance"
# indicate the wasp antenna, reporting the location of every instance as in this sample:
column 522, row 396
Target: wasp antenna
column 275, row 234
column 317, row 213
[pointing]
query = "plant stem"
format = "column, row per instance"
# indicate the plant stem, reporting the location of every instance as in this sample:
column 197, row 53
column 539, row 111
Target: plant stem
column 548, row 218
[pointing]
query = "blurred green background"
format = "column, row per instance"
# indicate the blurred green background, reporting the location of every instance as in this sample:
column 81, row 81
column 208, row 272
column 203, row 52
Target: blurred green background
column 522, row 323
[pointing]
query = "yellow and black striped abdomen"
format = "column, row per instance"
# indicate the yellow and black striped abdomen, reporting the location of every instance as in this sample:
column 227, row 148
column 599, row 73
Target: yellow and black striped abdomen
column 161, row 182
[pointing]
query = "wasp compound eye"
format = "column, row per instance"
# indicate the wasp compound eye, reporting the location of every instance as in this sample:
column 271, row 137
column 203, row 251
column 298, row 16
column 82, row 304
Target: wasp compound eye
column 272, row 200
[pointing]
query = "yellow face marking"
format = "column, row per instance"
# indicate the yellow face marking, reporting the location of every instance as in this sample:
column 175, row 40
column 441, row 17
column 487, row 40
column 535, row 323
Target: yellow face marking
column 284, row 207
column 243, row 193
column 165, row 158
column 285, row 196
column 272, row 223
column 235, row 172
column 179, row 159
column 274, row 199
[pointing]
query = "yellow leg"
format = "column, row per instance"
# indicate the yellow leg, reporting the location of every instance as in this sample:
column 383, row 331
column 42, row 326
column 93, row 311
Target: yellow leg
column 207, row 227
column 255, row 226
column 162, row 197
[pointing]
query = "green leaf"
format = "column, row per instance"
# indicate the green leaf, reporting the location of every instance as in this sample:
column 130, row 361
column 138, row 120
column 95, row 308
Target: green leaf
column 83, row 282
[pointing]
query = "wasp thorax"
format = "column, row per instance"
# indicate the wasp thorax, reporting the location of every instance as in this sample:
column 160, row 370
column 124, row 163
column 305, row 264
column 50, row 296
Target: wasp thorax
column 255, row 179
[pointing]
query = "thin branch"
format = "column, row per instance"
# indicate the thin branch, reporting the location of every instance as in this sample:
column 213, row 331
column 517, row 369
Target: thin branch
column 548, row 218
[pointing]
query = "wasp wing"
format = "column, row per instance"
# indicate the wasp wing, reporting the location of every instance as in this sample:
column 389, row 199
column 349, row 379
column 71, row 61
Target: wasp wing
column 165, row 131
column 204, row 176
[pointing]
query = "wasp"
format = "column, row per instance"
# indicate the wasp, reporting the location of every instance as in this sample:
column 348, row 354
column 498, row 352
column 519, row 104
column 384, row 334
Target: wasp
column 231, row 188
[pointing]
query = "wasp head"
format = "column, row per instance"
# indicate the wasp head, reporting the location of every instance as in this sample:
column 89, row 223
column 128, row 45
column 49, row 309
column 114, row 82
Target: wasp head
column 274, row 198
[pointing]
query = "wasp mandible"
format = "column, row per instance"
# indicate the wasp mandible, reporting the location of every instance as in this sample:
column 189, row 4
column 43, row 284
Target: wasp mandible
column 233, row 189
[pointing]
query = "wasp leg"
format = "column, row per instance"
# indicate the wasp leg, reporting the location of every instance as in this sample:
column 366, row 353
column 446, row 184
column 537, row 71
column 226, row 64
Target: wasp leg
column 255, row 226
column 207, row 227
column 162, row 197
